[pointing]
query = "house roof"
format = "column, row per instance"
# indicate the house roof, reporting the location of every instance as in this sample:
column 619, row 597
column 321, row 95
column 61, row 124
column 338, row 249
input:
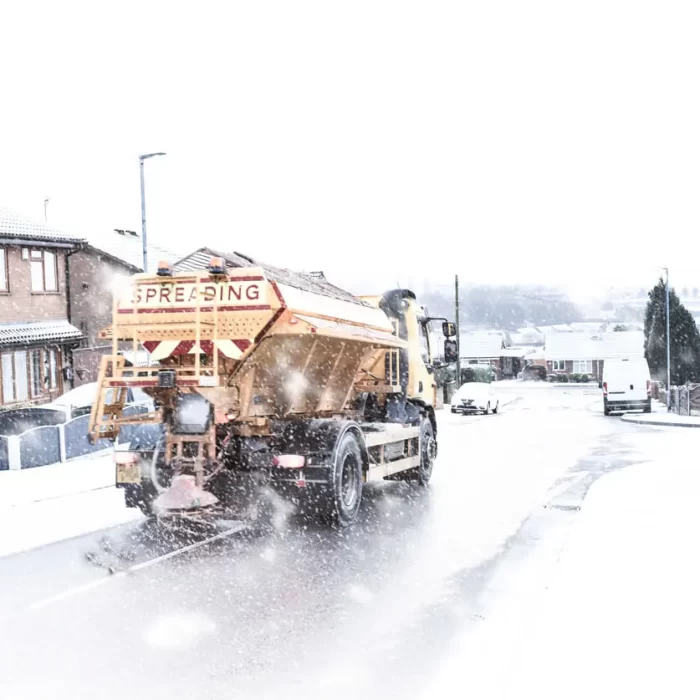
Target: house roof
column 16, row 226
column 527, row 336
column 519, row 352
column 480, row 344
column 37, row 332
column 125, row 247
column 594, row 346
column 309, row 282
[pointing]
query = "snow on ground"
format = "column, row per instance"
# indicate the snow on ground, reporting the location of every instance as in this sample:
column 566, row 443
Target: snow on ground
column 35, row 524
column 87, row 473
column 47, row 504
column 621, row 617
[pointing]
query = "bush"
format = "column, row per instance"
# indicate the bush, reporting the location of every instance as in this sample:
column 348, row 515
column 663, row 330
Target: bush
column 580, row 378
column 476, row 373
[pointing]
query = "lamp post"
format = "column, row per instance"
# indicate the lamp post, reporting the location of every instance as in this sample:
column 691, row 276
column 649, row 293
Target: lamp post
column 144, row 240
column 668, row 345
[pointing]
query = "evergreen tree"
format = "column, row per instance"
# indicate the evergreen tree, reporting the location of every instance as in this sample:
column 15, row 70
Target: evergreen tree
column 685, row 338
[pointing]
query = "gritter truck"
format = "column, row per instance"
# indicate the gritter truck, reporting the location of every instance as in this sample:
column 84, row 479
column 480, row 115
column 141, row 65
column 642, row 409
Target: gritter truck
column 263, row 378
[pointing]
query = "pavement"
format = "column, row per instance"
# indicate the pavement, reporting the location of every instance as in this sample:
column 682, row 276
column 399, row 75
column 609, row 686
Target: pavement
column 468, row 587
column 663, row 419
column 48, row 504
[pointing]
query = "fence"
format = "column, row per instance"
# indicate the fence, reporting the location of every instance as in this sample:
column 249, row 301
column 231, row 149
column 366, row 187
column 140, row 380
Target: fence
column 684, row 400
column 48, row 444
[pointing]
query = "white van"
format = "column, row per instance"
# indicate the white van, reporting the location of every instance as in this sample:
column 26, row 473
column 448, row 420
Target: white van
column 626, row 386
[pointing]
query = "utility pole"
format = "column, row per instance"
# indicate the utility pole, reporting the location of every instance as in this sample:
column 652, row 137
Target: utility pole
column 668, row 344
column 459, row 364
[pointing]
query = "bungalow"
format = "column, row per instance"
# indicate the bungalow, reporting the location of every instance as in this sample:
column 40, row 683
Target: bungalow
column 586, row 353
column 481, row 348
column 489, row 348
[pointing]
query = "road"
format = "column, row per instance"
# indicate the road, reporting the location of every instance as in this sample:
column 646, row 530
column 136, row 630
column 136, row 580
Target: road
column 430, row 593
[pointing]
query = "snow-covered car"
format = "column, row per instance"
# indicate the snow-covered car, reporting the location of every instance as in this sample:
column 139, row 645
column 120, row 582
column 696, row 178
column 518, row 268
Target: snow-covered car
column 78, row 401
column 475, row 397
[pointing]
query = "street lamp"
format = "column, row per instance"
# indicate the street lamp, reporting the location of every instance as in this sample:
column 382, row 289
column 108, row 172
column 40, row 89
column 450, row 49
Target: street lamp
column 144, row 242
column 668, row 345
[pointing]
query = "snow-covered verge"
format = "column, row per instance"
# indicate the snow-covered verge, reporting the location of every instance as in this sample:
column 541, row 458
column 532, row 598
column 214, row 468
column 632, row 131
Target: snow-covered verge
column 35, row 524
column 47, row 504
column 621, row 615
column 87, row 473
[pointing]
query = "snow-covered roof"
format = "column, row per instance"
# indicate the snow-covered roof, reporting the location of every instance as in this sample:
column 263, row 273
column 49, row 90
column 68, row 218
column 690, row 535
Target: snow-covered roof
column 515, row 351
column 527, row 336
column 14, row 225
column 37, row 331
column 125, row 246
column 594, row 346
column 199, row 260
column 587, row 326
column 481, row 345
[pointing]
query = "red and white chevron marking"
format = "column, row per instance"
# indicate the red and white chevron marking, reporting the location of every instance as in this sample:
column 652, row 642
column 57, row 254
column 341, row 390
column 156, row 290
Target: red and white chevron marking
column 160, row 349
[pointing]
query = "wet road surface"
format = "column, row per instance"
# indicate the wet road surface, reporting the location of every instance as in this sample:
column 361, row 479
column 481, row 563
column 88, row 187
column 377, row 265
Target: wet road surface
column 429, row 585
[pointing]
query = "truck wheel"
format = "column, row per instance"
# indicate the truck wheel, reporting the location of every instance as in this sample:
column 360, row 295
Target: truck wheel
column 428, row 452
column 341, row 501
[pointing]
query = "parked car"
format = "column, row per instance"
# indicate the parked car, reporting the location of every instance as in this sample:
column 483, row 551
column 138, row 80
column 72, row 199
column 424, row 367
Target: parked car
column 626, row 386
column 475, row 397
column 533, row 372
column 78, row 401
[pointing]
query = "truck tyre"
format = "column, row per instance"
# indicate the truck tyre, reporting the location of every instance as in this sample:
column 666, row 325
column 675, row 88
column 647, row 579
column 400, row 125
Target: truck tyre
column 341, row 501
column 428, row 452
column 647, row 406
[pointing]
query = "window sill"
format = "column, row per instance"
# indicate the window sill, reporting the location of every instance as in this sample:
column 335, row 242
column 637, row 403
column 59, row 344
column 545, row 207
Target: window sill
column 45, row 294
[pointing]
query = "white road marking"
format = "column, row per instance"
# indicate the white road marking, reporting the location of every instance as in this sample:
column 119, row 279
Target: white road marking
column 70, row 593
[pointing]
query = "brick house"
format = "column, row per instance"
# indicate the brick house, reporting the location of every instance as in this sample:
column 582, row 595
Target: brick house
column 96, row 270
column 36, row 333
column 585, row 353
column 489, row 348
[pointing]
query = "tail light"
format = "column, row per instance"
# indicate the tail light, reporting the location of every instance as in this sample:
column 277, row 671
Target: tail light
column 126, row 457
column 605, row 388
column 649, row 387
column 289, row 461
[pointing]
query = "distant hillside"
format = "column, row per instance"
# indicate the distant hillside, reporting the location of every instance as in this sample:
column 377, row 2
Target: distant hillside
column 505, row 307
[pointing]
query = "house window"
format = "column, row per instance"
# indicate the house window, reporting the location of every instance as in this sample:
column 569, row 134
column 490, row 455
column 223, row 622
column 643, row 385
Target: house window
column 583, row 366
column 25, row 373
column 8, row 378
column 558, row 365
column 36, row 374
column 43, row 271
column 4, row 279
column 52, row 373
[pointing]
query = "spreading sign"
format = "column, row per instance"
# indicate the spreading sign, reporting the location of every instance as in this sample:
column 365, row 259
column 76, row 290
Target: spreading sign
column 232, row 294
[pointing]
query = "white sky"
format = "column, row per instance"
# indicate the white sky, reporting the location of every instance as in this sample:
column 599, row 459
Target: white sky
column 553, row 142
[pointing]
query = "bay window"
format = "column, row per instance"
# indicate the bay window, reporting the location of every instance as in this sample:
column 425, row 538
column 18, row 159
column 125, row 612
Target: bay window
column 28, row 374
